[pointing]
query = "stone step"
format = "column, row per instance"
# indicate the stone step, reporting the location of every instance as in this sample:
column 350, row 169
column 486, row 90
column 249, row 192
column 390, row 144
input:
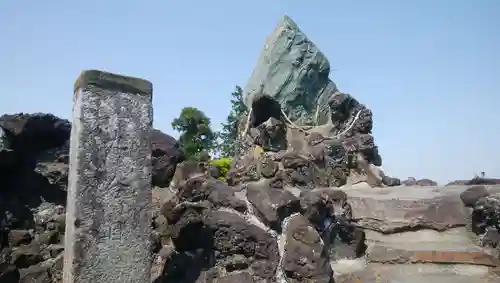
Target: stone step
column 418, row 273
column 455, row 239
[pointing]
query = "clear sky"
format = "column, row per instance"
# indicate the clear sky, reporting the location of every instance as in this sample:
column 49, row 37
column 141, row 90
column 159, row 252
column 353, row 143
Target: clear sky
column 425, row 68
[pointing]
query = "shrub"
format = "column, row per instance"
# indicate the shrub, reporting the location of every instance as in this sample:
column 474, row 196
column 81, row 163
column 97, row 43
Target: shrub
column 222, row 165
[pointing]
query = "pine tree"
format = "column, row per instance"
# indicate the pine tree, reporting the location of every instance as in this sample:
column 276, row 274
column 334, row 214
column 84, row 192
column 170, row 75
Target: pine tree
column 196, row 136
column 227, row 137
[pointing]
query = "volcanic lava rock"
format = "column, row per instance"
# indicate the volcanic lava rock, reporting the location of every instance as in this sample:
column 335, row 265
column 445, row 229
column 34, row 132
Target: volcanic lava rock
column 272, row 205
column 166, row 155
column 422, row 182
column 297, row 113
column 305, row 257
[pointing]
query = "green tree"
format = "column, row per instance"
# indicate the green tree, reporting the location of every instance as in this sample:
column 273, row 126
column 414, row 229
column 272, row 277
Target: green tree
column 196, row 136
column 227, row 136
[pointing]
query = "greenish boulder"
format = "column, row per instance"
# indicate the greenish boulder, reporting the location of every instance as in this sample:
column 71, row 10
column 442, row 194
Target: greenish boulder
column 294, row 72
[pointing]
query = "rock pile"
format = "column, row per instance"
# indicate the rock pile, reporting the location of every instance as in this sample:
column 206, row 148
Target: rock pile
column 306, row 201
column 33, row 183
column 475, row 181
column 422, row 182
column 311, row 134
column 264, row 233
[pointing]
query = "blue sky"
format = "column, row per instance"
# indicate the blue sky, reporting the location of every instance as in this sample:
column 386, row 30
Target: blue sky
column 425, row 68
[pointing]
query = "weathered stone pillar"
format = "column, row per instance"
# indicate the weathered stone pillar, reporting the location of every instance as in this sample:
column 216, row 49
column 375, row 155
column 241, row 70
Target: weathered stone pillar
column 109, row 193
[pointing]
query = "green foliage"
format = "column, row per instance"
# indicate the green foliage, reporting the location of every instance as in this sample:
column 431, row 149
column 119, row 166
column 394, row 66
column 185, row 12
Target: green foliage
column 196, row 137
column 227, row 137
column 223, row 164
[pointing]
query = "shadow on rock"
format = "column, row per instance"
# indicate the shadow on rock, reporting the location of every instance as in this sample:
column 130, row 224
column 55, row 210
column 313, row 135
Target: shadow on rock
column 186, row 267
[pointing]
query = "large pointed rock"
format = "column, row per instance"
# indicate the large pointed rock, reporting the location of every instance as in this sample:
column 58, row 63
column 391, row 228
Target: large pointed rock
column 293, row 71
column 295, row 109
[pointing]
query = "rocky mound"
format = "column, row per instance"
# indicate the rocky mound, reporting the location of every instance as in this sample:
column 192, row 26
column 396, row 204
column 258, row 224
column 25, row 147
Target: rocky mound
column 33, row 182
column 266, row 232
column 300, row 129
column 306, row 202
column 422, row 182
column 262, row 234
column 475, row 181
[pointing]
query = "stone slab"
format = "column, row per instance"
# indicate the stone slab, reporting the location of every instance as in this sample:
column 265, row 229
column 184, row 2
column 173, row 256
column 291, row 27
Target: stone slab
column 109, row 192
column 398, row 209
column 455, row 239
column 418, row 273
column 383, row 254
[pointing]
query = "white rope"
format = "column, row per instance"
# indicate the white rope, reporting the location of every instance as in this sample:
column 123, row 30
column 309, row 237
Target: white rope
column 350, row 126
column 247, row 125
column 293, row 125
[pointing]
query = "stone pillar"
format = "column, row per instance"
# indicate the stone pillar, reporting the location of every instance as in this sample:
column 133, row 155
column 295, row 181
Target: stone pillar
column 108, row 222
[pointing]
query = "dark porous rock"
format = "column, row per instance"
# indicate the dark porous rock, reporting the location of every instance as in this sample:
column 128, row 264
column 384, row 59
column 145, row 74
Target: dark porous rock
column 272, row 205
column 26, row 256
column 55, row 172
column 233, row 235
column 8, row 157
column 331, row 214
column 166, row 154
column 485, row 214
column 187, row 227
column 36, row 274
column 186, row 267
column 483, row 181
column 9, row 273
column 222, row 195
column 216, row 192
column 44, row 272
column 191, row 169
column 475, row 181
column 48, row 237
column 213, row 232
column 321, row 206
column 223, row 239
column 305, row 168
column 305, row 258
column 491, row 237
column 160, row 226
column 196, row 194
column 58, row 154
column 20, row 237
column 268, row 167
column 345, row 241
column 55, row 250
column 390, row 181
column 31, row 134
column 33, row 188
column 470, row 196
column 422, row 182
column 22, row 186
column 4, row 235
